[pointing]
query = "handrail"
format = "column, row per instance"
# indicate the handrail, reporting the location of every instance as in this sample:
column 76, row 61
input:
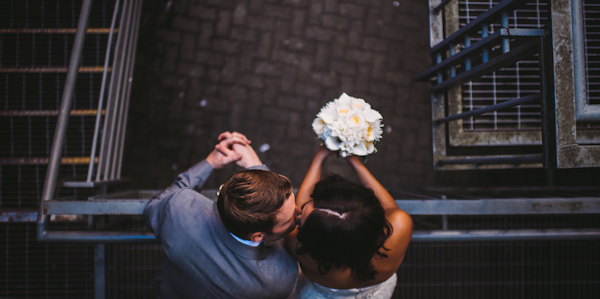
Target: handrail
column 415, row 207
column 105, row 155
column 527, row 49
column 503, row 32
column 505, row 235
column 494, row 12
column 65, row 110
column 490, row 160
column 132, row 46
column 102, row 88
column 497, row 107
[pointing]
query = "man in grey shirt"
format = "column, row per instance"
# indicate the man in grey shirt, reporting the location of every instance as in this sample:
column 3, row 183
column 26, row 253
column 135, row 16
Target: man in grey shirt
column 226, row 248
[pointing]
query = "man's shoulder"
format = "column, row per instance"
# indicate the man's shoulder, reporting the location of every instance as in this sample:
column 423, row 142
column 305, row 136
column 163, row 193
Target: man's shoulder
column 189, row 200
column 281, row 257
column 189, row 193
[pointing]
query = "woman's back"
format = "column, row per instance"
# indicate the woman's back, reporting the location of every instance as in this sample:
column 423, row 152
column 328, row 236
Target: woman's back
column 342, row 277
column 350, row 236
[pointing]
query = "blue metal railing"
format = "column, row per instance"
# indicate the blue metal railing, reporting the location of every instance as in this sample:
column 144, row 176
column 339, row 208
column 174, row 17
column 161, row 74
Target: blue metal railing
column 469, row 54
column 445, row 68
column 133, row 203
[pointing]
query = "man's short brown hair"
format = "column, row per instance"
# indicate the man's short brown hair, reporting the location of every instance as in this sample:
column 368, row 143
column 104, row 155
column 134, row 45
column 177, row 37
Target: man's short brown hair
column 249, row 201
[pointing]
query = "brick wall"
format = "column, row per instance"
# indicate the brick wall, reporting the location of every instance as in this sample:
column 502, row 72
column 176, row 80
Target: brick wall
column 265, row 68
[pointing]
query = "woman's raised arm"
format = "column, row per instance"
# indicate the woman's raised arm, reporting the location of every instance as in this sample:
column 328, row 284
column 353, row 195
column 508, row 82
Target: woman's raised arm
column 313, row 175
column 401, row 222
column 369, row 181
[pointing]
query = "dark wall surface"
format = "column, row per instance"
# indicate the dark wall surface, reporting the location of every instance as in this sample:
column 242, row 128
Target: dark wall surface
column 265, row 68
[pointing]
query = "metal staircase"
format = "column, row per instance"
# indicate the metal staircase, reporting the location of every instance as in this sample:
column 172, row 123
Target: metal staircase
column 106, row 150
column 66, row 69
column 65, row 74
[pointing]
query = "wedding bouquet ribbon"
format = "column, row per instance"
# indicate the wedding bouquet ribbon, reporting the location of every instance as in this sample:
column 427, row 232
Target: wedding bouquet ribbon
column 350, row 125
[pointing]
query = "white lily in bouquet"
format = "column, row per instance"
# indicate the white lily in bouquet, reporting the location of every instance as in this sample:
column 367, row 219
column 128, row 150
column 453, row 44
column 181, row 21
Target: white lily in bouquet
column 349, row 125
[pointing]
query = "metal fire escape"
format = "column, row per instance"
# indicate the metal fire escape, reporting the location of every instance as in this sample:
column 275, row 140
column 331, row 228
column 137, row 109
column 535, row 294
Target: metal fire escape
column 106, row 151
column 88, row 131
column 503, row 95
column 511, row 93
column 492, row 51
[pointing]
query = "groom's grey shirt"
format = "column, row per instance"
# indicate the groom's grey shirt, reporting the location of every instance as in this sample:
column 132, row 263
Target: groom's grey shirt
column 201, row 259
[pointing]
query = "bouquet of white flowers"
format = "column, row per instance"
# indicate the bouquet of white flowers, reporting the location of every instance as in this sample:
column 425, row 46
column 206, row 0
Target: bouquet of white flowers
column 349, row 125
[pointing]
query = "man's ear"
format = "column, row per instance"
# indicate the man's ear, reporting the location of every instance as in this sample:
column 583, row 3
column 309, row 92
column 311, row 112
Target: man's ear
column 256, row 237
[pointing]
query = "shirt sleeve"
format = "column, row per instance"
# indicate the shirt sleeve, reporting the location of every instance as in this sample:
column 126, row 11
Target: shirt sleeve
column 260, row 167
column 156, row 208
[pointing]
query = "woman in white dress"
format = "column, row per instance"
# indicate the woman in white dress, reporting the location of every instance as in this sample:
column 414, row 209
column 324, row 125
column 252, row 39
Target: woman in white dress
column 351, row 238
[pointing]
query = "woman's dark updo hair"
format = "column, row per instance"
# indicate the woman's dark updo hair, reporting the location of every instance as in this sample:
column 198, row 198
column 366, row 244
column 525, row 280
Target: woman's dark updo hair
column 347, row 228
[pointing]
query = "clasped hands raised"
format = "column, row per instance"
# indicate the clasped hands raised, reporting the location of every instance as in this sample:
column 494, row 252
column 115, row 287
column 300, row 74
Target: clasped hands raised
column 233, row 147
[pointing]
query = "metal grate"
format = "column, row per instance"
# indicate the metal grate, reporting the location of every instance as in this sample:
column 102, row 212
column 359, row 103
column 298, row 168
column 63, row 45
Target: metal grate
column 500, row 270
column 531, row 269
column 30, row 269
column 132, row 269
column 519, row 80
column 36, row 37
column 591, row 25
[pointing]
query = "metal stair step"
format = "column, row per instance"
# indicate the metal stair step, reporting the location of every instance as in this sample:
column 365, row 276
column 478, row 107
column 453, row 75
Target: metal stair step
column 54, row 30
column 83, row 69
column 74, row 112
column 44, row 160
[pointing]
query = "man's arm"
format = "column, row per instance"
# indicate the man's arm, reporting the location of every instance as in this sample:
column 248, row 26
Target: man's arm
column 197, row 175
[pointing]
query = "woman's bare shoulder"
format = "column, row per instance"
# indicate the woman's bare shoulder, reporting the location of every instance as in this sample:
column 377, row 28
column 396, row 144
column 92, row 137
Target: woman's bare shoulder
column 401, row 221
column 397, row 243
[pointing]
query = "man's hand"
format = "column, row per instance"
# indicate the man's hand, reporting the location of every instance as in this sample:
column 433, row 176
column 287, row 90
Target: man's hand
column 234, row 147
column 223, row 154
column 249, row 156
column 241, row 146
column 235, row 135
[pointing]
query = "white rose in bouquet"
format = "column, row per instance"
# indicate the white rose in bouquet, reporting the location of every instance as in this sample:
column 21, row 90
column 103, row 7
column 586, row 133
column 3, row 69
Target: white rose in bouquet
column 349, row 125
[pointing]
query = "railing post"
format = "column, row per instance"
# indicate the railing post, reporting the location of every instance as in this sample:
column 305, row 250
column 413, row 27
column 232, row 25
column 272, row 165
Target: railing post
column 484, row 34
column 102, row 88
column 132, row 46
column 452, row 67
column 548, row 106
column 505, row 40
column 467, row 59
column 100, row 271
column 63, row 114
column 438, row 59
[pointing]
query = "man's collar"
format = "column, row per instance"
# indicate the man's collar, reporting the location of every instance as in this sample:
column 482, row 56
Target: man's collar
column 245, row 242
column 249, row 252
